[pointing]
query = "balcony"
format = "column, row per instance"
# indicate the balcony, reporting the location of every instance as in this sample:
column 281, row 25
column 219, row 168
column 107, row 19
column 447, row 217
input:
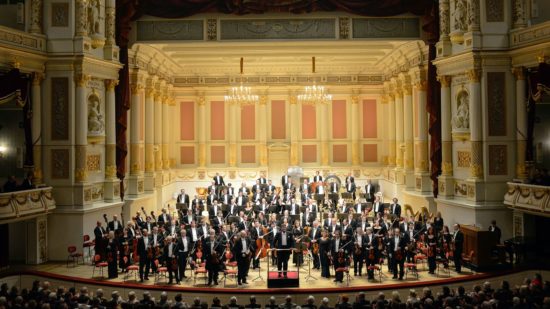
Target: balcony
column 531, row 198
column 21, row 40
column 25, row 204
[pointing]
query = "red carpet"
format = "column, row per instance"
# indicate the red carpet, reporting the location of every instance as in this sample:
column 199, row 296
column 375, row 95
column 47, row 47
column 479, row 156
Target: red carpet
column 273, row 275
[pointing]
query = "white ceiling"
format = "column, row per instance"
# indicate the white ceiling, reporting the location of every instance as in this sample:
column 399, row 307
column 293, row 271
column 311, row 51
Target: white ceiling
column 275, row 58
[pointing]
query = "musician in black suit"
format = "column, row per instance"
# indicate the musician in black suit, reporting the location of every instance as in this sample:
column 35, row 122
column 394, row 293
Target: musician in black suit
column 395, row 208
column 359, row 242
column 233, row 209
column 145, row 259
column 314, row 235
column 164, row 218
column 319, row 191
column 183, row 198
column 111, row 250
column 350, row 178
column 283, row 240
column 262, row 180
column 256, row 232
column 115, row 225
column 377, row 206
column 196, row 203
column 396, row 248
column 285, row 180
column 270, row 187
column 225, row 197
column 218, row 180
column 242, row 252
column 212, row 255
column 339, row 252
column 496, row 230
column 230, row 190
column 242, row 198
column 317, row 177
column 257, row 186
column 100, row 235
column 371, row 251
column 350, row 188
column 458, row 240
column 170, row 256
column 369, row 191
column 183, row 249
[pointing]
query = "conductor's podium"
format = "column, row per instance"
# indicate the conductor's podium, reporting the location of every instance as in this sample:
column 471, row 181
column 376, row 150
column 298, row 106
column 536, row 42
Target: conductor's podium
column 292, row 279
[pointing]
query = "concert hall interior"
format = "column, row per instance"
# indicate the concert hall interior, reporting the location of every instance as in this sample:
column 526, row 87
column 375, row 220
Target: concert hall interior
column 266, row 148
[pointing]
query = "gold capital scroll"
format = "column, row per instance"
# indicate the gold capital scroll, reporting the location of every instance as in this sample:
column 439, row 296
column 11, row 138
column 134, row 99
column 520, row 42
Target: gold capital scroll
column 407, row 90
column 110, row 171
column 474, row 75
column 519, row 73
column 445, row 80
column 110, row 84
column 447, row 168
column 421, row 85
column 81, row 79
column 201, row 100
column 37, row 78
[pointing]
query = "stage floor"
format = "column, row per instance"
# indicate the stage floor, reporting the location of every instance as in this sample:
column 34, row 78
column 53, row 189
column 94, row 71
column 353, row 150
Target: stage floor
column 257, row 280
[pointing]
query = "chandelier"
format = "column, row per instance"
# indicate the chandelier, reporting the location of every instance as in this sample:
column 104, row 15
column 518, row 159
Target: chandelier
column 241, row 95
column 315, row 93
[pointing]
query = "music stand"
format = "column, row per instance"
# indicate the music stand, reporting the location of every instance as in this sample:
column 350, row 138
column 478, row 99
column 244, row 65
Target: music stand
column 232, row 219
column 346, row 195
column 180, row 206
column 342, row 216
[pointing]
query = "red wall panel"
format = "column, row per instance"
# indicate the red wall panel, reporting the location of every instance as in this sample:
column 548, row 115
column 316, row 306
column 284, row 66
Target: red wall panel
column 339, row 153
column 248, row 122
column 370, row 153
column 217, row 120
column 339, row 126
column 187, row 155
column 309, row 122
column 187, row 121
column 217, row 154
column 309, row 153
column 248, row 154
column 278, row 119
column 369, row 119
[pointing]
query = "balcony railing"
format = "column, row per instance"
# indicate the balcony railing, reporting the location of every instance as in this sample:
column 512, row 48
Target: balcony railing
column 20, row 204
column 528, row 197
column 530, row 35
column 22, row 40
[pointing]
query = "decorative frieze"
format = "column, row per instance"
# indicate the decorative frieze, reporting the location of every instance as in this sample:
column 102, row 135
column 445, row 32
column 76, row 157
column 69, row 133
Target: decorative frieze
column 463, row 159
column 344, row 25
column 211, row 29
column 36, row 16
column 60, row 14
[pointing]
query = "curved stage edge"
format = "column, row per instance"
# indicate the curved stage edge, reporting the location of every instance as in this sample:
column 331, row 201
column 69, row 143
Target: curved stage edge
column 390, row 285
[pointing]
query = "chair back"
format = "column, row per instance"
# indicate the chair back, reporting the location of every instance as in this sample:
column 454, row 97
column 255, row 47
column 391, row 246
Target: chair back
column 97, row 258
column 71, row 249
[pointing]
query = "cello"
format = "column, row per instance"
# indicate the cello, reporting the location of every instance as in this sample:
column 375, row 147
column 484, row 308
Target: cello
column 262, row 246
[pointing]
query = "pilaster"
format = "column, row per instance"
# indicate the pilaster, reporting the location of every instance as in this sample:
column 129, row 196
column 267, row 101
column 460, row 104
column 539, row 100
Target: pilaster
column 37, row 125
column 423, row 182
column 81, row 128
column 37, row 12
column 521, row 123
column 408, row 135
column 391, row 130
column 201, row 102
column 262, row 116
column 354, row 98
column 476, row 135
column 446, row 182
column 110, row 142
column 294, row 117
column 444, row 47
column 135, row 180
column 149, row 180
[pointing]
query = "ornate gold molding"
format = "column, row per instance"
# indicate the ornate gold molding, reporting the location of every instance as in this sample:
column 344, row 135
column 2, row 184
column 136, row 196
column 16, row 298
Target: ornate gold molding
column 445, row 80
column 81, row 80
column 110, row 171
column 447, row 168
column 474, row 75
column 519, row 73
column 110, row 84
column 201, row 100
column 421, row 85
column 80, row 174
column 354, row 99
column 476, row 170
column 136, row 88
column 37, row 78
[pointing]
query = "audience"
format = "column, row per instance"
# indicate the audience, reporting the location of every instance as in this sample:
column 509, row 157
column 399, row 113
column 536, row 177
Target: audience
column 533, row 293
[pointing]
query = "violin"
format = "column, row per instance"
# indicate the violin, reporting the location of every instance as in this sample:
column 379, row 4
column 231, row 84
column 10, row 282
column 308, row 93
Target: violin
column 315, row 248
column 341, row 257
column 228, row 253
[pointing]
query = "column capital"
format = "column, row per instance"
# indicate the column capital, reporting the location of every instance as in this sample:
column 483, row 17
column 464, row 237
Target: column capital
column 37, row 78
column 201, row 100
column 407, row 89
column 474, row 75
column 354, row 99
column 421, row 85
column 293, row 99
column 110, row 84
column 445, row 80
column 81, row 79
column 136, row 88
column 263, row 100
column 519, row 73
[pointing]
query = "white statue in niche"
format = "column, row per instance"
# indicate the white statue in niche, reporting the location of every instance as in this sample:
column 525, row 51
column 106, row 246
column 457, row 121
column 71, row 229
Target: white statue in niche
column 94, row 17
column 461, row 120
column 459, row 15
column 95, row 118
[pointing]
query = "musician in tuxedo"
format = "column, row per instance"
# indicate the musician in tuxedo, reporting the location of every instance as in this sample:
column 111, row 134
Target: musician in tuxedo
column 171, row 229
column 304, row 188
column 111, row 250
column 225, row 198
column 359, row 208
column 100, row 235
column 273, row 231
column 230, row 190
column 183, row 249
column 242, row 252
column 214, row 209
column 218, row 180
column 211, row 198
column 244, row 190
column 212, row 256
column 285, row 180
column 338, row 247
column 196, row 203
column 377, row 206
column 307, row 218
column 319, row 191
column 242, row 198
column 283, row 240
column 314, row 236
column 288, row 196
column 293, row 208
column 262, row 180
column 139, row 219
column 350, row 188
column 233, row 208
column 396, row 248
column 369, row 191
column 350, row 178
column 212, row 187
column 115, row 225
column 333, row 190
column 257, row 186
column 495, row 230
column 164, row 218
column 359, row 243
column 458, row 244
column 395, row 208
column 183, row 198
column 270, row 187
column 371, row 251
column 317, row 177
column 257, row 196
column 170, row 252
column 347, row 228
column 157, row 241
column 255, row 233
column 145, row 260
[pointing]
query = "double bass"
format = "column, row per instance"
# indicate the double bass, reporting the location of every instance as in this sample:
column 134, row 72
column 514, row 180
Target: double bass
column 262, row 246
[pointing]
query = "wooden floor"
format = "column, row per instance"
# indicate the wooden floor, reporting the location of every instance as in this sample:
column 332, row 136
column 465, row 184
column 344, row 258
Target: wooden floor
column 257, row 278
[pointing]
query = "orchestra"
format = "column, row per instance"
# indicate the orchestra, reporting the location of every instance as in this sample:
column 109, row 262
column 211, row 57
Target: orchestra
column 304, row 222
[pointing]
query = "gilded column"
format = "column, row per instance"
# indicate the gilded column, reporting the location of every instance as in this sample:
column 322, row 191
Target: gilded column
column 446, row 135
column 201, row 102
column 294, row 120
column 233, row 115
column 110, row 129
column 37, row 125
column 135, row 164
column 150, row 125
column 521, row 120
column 391, row 130
column 476, row 129
column 110, row 22
column 399, row 128
column 355, row 129
column 81, row 127
column 408, row 129
column 36, row 17
column 81, row 18
column 262, row 116
column 421, row 157
column 165, row 131
column 157, row 98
